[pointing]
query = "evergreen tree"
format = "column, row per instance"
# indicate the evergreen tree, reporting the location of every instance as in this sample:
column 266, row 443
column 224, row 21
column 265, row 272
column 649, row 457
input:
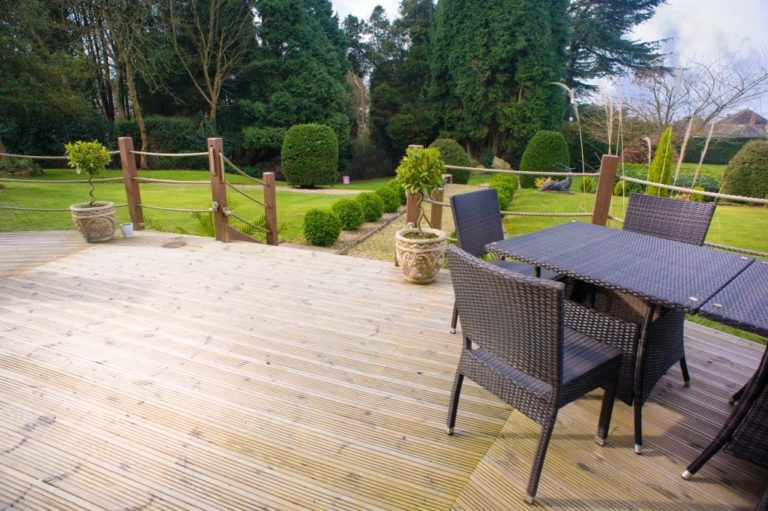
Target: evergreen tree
column 492, row 65
column 598, row 44
column 660, row 170
column 297, row 75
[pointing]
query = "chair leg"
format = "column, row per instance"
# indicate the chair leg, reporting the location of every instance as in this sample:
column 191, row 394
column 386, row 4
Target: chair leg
column 638, row 426
column 538, row 462
column 453, row 406
column 606, row 410
column 684, row 370
column 454, row 318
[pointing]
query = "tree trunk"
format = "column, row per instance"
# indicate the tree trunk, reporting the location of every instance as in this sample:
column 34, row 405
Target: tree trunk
column 131, row 83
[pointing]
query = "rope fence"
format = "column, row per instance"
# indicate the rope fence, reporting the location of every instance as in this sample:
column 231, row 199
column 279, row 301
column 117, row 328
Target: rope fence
column 177, row 210
column 48, row 210
column 38, row 157
column 226, row 160
column 716, row 195
column 169, row 155
column 231, row 213
column 169, row 181
column 250, row 197
column 737, row 250
column 62, row 181
column 545, row 214
column 524, row 172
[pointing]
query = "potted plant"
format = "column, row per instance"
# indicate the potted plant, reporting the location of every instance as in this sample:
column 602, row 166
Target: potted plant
column 94, row 219
column 420, row 252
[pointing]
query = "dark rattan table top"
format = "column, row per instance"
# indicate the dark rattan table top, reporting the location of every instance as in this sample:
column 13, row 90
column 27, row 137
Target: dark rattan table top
column 743, row 303
column 669, row 273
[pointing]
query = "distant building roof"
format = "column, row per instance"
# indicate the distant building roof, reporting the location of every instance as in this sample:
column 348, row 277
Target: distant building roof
column 742, row 125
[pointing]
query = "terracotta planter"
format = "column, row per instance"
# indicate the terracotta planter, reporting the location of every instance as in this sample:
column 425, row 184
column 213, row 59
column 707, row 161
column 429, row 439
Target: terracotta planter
column 96, row 223
column 420, row 258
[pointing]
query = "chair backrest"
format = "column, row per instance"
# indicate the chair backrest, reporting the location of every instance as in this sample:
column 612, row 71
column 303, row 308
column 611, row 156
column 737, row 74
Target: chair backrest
column 671, row 219
column 517, row 319
column 478, row 220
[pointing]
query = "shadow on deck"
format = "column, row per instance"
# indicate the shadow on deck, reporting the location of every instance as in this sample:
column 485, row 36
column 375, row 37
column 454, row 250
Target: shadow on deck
column 178, row 372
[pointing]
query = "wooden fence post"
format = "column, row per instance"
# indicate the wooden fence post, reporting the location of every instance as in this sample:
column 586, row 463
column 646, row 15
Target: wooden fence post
column 411, row 208
column 218, row 188
column 604, row 192
column 436, row 216
column 132, row 191
column 270, row 207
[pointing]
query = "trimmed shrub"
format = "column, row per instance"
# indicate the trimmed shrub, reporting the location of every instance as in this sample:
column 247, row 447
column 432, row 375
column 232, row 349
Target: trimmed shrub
column 395, row 186
column 505, row 185
column 720, row 150
column 350, row 213
column 661, row 168
column 747, row 173
column 310, row 155
column 321, row 227
column 587, row 184
column 390, row 198
column 546, row 152
column 453, row 154
column 373, row 206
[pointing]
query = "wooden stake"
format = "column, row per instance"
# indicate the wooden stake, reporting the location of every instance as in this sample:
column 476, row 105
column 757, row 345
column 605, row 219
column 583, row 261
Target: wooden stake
column 270, row 207
column 218, row 188
column 436, row 217
column 132, row 191
column 412, row 208
column 604, row 192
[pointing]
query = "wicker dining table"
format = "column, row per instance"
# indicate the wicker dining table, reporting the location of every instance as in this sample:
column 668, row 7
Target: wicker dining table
column 663, row 273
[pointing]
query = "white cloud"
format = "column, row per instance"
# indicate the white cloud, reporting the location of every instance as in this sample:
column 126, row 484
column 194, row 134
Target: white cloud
column 363, row 8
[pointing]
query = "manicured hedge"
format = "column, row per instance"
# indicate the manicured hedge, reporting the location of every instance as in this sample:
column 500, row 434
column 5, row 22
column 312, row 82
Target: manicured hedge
column 747, row 173
column 310, row 155
column 390, row 198
column 321, row 227
column 720, row 150
column 546, row 152
column 372, row 204
column 350, row 213
column 505, row 185
column 453, row 154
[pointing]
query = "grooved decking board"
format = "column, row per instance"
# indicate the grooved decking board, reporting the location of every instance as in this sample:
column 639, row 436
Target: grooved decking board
column 176, row 372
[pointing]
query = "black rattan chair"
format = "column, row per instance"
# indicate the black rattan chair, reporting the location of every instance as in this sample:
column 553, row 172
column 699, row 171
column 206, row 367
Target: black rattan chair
column 478, row 222
column 677, row 220
column 522, row 342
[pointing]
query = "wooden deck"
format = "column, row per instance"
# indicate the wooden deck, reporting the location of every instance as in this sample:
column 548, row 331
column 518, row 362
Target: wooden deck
column 176, row 372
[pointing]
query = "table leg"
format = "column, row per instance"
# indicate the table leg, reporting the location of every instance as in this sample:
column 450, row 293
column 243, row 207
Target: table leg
column 537, row 270
column 639, row 373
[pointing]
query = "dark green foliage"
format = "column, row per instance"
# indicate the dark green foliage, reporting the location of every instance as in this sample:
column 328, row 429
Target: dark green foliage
column 391, row 199
column 706, row 182
column 546, row 152
column 350, row 213
column 747, row 172
column 369, row 161
column 372, row 204
column 398, row 189
column 453, row 154
column 310, row 155
column 720, row 150
column 17, row 167
column 661, row 168
column 598, row 45
column 594, row 148
column 169, row 135
column 491, row 71
column 486, row 158
column 321, row 227
column 505, row 185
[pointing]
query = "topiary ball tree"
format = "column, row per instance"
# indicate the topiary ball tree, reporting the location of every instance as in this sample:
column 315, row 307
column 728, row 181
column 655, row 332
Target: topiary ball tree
column 390, row 197
column 660, row 170
column 546, row 152
column 747, row 172
column 350, row 213
column 453, row 154
column 372, row 204
column 321, row 227
column 310, row 155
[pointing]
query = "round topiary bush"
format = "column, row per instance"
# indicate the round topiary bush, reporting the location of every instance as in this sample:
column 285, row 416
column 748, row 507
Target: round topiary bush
column 395, row 186
column 373, row 206
column 453, row 154
column 321, row 227
column 350, row 213
column 390, row 197
column 546, row 152
column 747, row 172
column 310, row 155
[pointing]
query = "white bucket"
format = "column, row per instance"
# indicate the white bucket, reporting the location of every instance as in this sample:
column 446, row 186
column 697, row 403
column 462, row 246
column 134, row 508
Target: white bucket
column 127, row 229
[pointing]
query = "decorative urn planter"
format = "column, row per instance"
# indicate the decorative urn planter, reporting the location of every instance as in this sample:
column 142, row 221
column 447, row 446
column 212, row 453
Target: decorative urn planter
column 96, row 223
column 420, row 256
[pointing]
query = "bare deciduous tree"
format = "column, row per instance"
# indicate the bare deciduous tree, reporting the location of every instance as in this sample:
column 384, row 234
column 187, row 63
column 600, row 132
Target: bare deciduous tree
column 210, row 42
